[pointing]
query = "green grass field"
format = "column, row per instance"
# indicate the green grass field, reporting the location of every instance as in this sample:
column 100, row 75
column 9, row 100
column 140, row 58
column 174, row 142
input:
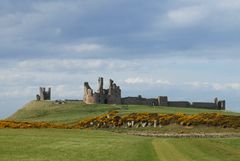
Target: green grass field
column 109, row 144
column 96, row 145
column 75, row 111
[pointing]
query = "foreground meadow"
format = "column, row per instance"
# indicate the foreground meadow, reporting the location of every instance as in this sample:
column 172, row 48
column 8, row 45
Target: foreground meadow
column 96, row 145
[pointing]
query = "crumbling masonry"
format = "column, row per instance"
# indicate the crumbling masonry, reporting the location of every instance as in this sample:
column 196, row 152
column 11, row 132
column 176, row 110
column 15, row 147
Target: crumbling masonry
column 113, row 96
column 102, row 96
column 43, row 94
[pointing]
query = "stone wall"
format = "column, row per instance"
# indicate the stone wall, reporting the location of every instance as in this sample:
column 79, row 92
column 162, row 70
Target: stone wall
column 89, row 96
column 134, row 100
column 206, row 105
column 163, row 101
column 140, row 101
column 216, row 104
column 179, row 104
column 152, row 102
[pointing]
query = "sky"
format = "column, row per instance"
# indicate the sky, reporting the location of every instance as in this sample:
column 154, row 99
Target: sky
column 185, row 49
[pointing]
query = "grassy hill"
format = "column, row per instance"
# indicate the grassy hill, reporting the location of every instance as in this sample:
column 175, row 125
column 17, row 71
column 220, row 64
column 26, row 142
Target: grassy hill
column 74, row 111
column 99, row 145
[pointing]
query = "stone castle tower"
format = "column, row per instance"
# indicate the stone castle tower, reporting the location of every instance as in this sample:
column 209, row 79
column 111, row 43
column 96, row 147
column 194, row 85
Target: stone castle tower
column 102, row 96
column 44, row 94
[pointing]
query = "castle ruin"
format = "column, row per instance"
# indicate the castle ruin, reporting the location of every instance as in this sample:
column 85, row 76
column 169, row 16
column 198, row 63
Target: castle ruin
column 216, row 104
column 44, row 94
column 112, row 95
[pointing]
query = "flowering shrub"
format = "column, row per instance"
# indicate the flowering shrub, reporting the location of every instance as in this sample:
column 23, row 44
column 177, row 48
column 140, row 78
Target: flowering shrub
column 155, row 119
column 113, row 119
column 24, row 125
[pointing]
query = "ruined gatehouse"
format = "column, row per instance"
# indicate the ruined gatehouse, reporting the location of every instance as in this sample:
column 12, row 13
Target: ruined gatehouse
column 112, row 95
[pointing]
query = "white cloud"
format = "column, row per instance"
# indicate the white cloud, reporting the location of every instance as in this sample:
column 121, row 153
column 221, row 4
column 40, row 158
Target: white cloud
column 64, row 91
column 84, row 65
column 134, row 80
column 214, row 86
column 204, row 16
column 228, row 4
column 197, row 84
column 57, row 64
column 163, row 82
column 186, row 16
column 189, row 85
column 226, row 86
column 83, row 48
column 17, row 92
column 149, row 81
column 235, row 86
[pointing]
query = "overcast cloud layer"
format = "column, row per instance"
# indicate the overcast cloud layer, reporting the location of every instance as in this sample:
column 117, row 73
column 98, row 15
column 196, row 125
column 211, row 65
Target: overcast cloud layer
column 186, row 49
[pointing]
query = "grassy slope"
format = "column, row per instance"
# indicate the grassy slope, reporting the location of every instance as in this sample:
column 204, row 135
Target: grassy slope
column 197, row 149
column 72, row 145
column 75, row 111
column 91, row 145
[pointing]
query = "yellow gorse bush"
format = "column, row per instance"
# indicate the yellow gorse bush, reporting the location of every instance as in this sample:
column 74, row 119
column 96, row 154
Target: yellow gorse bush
column 114, row 119
column 155, row 119
column 24, row 125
